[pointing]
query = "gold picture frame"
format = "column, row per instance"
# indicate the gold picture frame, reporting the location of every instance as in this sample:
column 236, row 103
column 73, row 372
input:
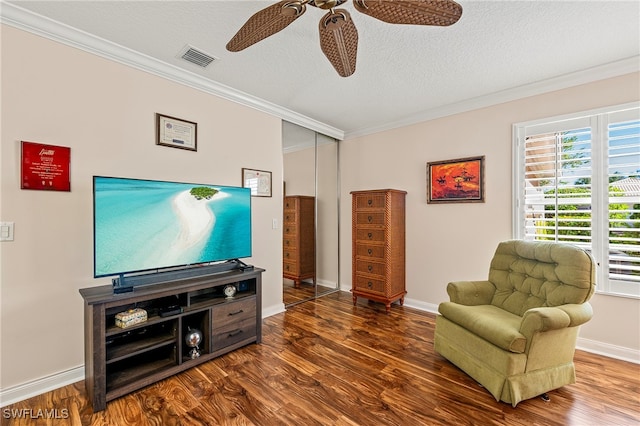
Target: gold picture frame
column 456, row 181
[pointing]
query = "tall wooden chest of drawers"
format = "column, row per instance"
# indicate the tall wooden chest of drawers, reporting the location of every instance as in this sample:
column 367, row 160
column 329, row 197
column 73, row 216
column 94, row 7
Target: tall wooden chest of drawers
column 298, row 244
column 378, row 239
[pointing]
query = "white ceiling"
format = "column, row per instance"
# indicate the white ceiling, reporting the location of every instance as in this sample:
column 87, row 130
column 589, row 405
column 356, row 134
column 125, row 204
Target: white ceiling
column 498, row 51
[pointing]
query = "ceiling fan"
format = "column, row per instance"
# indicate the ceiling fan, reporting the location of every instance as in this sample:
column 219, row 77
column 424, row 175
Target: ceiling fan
column 338, row 34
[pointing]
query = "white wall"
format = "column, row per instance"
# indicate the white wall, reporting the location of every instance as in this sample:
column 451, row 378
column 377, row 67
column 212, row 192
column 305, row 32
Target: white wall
column 447, row 242
column 105, row 112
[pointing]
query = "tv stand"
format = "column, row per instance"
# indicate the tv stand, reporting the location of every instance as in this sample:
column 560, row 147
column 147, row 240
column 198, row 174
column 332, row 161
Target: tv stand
column 121, row 360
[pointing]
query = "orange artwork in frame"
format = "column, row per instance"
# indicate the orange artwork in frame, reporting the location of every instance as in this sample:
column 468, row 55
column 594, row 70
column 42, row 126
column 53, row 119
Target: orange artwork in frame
column 456, row 181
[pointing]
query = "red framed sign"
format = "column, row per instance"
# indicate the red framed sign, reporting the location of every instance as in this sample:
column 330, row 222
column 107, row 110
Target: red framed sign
column 45, row 167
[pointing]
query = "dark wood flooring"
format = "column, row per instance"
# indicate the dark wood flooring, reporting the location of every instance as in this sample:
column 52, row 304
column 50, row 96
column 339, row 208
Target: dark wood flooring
column 326, row 362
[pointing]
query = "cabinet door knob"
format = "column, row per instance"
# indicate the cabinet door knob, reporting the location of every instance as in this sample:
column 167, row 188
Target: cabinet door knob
column 369, row 251
column 369, row 201
column 369, row 235
column 369, row 284
column 370, row 268
column 369, row 218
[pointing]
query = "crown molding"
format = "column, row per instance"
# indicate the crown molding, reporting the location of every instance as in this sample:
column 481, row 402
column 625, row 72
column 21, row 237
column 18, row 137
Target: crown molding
column 23, row 19
column 613, row 69
column 26, row 20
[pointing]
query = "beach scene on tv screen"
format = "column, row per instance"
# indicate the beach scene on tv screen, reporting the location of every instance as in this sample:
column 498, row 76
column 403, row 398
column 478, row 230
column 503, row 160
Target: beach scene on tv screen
column 143, row 225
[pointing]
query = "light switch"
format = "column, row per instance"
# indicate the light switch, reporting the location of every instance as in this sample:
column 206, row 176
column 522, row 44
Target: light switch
column 274, row 224
column 6, row 231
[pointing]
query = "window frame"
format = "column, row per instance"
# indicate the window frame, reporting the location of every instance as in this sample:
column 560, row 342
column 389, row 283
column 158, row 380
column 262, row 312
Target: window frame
column 598, row 120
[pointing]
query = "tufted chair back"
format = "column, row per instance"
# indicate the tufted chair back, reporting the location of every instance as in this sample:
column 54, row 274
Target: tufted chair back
column 533, row 274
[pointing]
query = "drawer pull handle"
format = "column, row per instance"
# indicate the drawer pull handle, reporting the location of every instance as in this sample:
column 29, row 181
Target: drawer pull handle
column 287, row 231
column 286, row 267
column 369, row 284
column 369, row 251
column 235, row 333
column 369, row 218
column 369, row 201
column 286, row 255
column 370, row 268
column 369, row 235
column 236, row 312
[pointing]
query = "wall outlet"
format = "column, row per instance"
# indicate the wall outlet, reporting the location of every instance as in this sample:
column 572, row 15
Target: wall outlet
column 6, row 231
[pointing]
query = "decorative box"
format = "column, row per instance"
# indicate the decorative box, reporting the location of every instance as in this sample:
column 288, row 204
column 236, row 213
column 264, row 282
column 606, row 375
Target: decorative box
column 131, row 317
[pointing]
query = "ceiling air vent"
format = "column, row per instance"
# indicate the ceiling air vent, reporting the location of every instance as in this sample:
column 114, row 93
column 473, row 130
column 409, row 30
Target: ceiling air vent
column 196, row 56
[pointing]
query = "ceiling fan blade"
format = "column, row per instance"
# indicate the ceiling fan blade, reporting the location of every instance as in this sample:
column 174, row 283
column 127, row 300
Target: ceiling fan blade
column 265, row 23
column 417, row 12
column 339, row 41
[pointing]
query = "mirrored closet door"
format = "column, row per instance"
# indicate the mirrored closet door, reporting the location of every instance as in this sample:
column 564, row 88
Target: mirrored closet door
column 310, row 214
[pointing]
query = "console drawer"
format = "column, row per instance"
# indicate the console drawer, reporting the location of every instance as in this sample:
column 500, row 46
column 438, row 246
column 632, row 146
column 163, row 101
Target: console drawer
column 240, row 331
column 231, row 313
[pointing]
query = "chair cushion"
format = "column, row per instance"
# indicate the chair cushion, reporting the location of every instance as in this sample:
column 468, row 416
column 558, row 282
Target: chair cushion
column 534, row 274
column 489, row 322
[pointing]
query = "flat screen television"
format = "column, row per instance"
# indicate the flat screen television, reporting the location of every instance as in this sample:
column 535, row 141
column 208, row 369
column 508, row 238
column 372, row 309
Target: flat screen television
column 148, row 225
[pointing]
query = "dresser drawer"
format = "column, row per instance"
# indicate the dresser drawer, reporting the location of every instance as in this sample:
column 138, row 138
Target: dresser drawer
column 374, row 201
column 370, row 235
column 370, row 218
column 368, row 250
column 291, row 203
column 290, row 255
column 228, row 315
column 367, row 267
column 239, row 331
column 290, row 268
column 289, row 241
column 290, row 217
column 290, row 229
column 369, row 284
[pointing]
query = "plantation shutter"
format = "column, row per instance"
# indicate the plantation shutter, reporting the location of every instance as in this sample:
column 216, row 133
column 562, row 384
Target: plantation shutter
column 557, row 182
column 577, row 180
column 623, row 172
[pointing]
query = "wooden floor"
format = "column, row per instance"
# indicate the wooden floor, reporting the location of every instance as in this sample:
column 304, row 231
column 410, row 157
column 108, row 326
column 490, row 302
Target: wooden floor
column 307, row 290
column 326, row 362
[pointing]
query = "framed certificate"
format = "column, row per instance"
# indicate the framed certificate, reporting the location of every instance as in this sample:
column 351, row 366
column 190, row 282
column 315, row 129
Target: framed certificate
column 45, row 167
column 259, row 181
column 176, row 133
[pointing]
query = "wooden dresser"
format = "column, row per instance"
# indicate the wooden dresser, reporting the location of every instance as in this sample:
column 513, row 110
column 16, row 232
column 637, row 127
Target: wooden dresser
column 378, row 238
column 298, row 232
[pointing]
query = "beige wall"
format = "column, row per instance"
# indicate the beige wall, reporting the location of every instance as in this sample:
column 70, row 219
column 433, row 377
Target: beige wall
column 104, row 111
column 449, row 242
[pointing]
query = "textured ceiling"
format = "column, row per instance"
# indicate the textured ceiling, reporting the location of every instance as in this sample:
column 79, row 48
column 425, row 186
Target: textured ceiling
column 403, row 72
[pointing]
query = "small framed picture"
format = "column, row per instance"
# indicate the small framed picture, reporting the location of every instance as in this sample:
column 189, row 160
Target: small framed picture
column 176, row 133
column 456, row 181
column 259, row 181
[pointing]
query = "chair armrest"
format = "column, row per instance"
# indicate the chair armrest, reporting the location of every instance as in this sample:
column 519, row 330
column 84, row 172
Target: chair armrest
column 578, row 313
column 471, row 293
column 543, row 319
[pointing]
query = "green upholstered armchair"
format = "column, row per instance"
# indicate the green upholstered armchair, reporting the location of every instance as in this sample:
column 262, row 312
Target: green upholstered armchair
column 516, row 332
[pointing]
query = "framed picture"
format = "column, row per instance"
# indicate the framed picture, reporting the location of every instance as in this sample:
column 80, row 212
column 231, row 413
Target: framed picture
column 258, row 180
column 456, row 181
column 176, row 133
column 45, row 167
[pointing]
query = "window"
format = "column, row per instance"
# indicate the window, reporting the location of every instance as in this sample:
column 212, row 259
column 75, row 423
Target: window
column 577, row 180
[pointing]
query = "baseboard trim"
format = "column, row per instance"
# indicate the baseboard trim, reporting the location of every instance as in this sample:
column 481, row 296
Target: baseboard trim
column 272, row 310
column 36, row 387
column 608, row 350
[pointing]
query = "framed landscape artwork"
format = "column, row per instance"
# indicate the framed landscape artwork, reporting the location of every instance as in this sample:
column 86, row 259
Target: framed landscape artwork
column 456, row 181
